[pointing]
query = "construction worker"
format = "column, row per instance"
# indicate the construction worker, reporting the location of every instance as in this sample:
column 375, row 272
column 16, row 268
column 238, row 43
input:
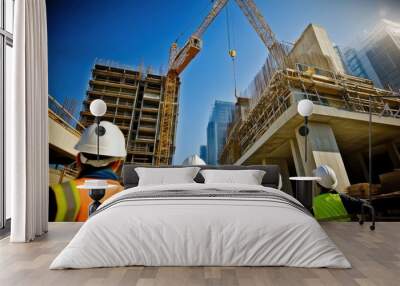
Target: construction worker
column 66, row 201
column 330, row 204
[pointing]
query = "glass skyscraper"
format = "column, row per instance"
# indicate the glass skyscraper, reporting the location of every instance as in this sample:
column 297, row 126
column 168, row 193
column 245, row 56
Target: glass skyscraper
column 203, row 153
column 221, row 116
column 382, row 48
column 353, row 63
column 377, row 57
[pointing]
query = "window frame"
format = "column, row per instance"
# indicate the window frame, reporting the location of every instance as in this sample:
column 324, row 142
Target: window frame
column 6, row 39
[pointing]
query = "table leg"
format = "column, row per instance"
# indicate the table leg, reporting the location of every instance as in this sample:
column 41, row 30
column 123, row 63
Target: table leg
column 304, row 193
column 96, row 196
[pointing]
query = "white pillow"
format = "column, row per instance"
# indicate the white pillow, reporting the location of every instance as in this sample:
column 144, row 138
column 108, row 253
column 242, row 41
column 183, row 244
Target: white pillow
column 248, row 177
column 166, row 176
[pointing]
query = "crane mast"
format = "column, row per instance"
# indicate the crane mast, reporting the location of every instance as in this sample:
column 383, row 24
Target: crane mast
column 180, row 58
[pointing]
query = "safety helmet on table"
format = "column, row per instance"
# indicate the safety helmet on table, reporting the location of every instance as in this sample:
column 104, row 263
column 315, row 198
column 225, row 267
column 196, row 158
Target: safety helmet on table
column 328, row 177
column 193, row 160
column 111, row 143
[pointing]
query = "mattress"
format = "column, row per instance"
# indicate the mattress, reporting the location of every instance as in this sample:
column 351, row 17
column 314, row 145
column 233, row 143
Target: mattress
column 201, row 225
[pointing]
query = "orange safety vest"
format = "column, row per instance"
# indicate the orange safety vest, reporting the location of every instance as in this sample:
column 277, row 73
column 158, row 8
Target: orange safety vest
column 73, row 203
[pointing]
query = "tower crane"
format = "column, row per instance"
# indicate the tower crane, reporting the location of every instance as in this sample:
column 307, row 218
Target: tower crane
column 180, row 58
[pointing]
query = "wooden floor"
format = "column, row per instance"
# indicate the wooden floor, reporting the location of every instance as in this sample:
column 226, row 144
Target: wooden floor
column 375, row 257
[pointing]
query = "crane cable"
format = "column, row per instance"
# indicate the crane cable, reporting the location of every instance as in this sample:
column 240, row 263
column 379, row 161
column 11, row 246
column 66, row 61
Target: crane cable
column 232, row 52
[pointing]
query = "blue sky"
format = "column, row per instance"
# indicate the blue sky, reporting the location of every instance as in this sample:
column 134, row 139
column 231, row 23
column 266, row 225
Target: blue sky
column 133, row 32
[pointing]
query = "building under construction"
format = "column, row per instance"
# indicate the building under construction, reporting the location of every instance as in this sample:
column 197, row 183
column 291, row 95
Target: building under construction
column 265, row 128
column 135, row 104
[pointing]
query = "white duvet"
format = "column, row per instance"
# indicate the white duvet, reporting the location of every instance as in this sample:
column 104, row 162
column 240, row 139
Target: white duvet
column 200, row 231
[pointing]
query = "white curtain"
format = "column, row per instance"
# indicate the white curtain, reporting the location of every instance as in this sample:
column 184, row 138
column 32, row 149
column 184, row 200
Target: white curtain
column 26, row 124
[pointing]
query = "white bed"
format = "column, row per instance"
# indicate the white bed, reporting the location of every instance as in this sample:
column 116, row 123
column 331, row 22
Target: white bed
column 207, row 230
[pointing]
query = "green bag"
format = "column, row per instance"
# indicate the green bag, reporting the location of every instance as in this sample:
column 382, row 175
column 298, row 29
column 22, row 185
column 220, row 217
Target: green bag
column 328, row 207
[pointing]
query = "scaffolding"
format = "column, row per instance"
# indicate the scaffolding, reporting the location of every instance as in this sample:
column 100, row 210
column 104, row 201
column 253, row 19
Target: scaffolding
column 62, row 114
column 271, row 98
column 135, row 99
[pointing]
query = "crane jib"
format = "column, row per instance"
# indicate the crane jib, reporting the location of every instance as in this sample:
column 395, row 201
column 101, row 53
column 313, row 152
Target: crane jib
column 179, row 59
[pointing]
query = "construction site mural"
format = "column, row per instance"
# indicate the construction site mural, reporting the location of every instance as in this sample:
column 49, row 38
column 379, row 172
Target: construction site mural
column 227, row 89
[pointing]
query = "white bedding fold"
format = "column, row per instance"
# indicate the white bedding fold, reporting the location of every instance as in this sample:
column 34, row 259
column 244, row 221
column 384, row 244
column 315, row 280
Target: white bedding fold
column 223, row 231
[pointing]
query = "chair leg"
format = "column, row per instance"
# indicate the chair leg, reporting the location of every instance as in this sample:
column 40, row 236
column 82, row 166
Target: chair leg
column 362, row 216
column 372, row 226
column 372, row 211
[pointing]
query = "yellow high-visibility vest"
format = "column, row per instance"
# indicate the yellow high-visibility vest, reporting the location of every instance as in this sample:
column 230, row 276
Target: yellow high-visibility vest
column 68, row 201
column 329, row 207
column 73, row 203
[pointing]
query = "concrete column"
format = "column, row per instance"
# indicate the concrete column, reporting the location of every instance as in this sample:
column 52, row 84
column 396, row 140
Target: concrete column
column 322, row 149
column 297, row 158
column 286, row 185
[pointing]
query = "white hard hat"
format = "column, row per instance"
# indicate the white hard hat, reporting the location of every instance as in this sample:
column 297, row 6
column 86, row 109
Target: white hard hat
column 328, row 177
column 111, row 143
column 193, row 160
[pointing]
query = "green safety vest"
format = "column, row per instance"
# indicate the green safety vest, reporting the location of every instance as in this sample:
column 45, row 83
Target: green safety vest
column 329, row 207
